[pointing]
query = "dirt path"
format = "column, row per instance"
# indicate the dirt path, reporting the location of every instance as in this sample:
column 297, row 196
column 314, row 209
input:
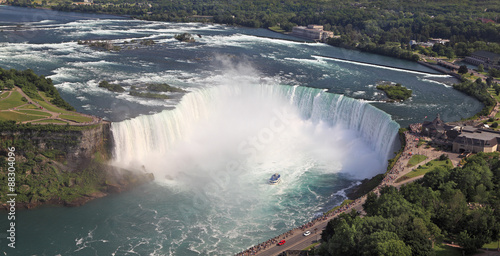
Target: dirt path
column 53, row 115
column 10, row 92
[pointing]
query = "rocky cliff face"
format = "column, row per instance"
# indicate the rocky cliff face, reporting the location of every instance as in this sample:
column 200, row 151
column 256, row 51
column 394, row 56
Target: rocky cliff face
column 63, row 165
column 76, row 148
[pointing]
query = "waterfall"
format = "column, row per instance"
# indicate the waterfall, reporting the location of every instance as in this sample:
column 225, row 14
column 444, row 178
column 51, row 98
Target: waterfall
column 139, row 138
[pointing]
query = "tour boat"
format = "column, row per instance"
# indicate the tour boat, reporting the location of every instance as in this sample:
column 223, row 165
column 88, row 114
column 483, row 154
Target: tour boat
column 275, row 179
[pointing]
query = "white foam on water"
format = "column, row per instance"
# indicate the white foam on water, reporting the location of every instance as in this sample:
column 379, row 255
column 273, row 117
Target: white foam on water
column 382, row 67
column 435, row 82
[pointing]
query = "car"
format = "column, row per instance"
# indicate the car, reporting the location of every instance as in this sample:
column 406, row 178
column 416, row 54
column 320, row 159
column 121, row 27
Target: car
column 307, row 233
column 282, row 242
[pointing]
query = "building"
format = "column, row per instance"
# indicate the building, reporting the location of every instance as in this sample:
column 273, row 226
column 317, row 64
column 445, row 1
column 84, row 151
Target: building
column 476, row 140
column 438, row 41
column 312, row 32
column 461, row 137
column 437, row 129
column 85, row 2
column 487, row 59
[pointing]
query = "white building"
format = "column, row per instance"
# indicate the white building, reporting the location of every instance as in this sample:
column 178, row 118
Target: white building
column 313, row 32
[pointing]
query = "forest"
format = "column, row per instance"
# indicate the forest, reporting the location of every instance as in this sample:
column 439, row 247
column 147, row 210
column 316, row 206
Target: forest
column 459, row 205
column 383, row 27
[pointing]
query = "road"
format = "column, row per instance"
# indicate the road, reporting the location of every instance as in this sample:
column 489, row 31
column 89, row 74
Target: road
column 295, row 239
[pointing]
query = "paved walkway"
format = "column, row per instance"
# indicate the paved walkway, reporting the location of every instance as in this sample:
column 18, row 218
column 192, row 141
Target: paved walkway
column 295, row 239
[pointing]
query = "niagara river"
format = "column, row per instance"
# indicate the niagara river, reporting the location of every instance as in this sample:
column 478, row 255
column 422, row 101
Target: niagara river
column 257, row 103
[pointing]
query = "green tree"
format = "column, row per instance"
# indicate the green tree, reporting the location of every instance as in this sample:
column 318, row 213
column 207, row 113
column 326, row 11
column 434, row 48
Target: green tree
column 392, row 247
column 496, row 87
column 489, row 80
column 494, row 72
column 344, row 241
column 480, row 68
column 463, row 69
column 9, row 84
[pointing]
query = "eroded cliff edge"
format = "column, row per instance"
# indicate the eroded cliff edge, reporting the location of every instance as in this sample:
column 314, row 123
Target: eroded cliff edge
column 61, row 164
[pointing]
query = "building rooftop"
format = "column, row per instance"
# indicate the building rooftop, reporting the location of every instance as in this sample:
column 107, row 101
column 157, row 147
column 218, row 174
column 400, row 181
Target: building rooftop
column 479, row 134
column 485, row 54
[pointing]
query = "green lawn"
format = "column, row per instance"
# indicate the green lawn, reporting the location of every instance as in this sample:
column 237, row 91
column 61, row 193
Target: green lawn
column 443, row 250
column 13, row 101
column 28, row 106
column 50, row 121
column 277, row 29
column 78, row 119
column 8, row 115
column 4, row 94
column 493, row 93
column 492, row 245
column 35, row 112
column 416, row 159
column 52, row 108
column 423, row 169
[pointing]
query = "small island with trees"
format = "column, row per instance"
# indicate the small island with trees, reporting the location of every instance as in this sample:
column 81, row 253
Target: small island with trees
column 111, row 87
column 151, row 91
column 395, row 92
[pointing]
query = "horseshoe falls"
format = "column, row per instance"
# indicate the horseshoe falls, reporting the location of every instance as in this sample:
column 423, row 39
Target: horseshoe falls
column 258, row 104
column 220, row 145
column 248, row 122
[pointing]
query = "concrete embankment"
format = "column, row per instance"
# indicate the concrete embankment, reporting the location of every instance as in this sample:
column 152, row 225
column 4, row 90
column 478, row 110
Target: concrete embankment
column 378, row 65
column 440, row 69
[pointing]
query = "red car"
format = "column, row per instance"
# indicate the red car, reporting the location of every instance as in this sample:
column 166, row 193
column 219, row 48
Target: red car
column 282, row 242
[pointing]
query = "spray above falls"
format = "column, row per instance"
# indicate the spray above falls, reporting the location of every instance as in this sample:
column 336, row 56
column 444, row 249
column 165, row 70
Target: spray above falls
column 254, row 123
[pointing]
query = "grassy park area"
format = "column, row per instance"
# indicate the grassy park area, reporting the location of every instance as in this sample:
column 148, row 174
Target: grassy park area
column 416, row 159
column 444, row 250
column 12, row 101
column 16, row 107
column 423, row 169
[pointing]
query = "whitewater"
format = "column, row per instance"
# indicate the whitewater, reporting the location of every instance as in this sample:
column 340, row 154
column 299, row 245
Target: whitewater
column 221, row 144
column 257, row 103
column 245, row 119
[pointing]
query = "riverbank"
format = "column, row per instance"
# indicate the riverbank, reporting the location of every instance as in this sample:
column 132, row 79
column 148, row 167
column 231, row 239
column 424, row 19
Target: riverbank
column 295, row 239
column 52, row 154
column 113, row 180
column 398, row 168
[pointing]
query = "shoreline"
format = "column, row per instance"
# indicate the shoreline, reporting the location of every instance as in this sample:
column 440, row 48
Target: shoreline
column 117, row 181
column 409, row 139
column 342, row 209
column 399, row 169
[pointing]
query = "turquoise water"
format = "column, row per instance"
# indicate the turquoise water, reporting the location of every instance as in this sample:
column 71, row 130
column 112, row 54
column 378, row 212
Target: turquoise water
column 196, row 207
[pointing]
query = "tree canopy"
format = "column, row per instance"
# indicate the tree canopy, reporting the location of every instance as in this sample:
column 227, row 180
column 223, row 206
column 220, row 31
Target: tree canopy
column 459, row 204
column 31, row 83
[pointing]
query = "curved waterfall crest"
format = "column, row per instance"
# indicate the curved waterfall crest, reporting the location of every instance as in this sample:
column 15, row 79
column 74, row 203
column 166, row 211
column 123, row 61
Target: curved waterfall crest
column 157, row 133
